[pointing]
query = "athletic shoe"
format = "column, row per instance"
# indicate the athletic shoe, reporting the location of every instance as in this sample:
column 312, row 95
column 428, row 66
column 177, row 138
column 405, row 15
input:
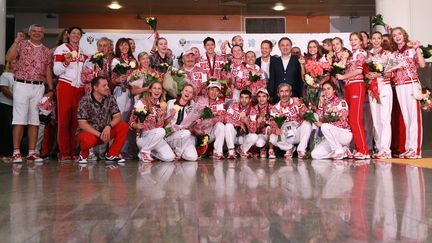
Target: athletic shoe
column 347, row 153
column 383, row 155
column 145, row 157
column 34, row 157
column 17, row 158
column 231, row 154
column 411, row 154
column 288, row 154
column 117, row 159
column 218, row 156
column 242, row 153
column 272, row 154
column 361, row 156
column 402, row 155
column 82, row 160
column 301, row 154
column 75, row 158
column 263, row 153
column 338, row 156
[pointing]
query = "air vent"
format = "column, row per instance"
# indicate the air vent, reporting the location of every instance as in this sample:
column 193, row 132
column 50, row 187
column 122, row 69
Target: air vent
column 265, row 25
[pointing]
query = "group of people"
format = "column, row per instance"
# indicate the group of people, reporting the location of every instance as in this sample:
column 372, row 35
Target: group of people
column 231, row 104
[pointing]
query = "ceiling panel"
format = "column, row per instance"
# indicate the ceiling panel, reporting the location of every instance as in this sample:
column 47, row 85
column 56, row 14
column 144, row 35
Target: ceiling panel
column 205, row 7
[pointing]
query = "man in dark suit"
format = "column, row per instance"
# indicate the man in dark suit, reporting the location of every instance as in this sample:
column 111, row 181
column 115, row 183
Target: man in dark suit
column 286, row 69
column 266, row 60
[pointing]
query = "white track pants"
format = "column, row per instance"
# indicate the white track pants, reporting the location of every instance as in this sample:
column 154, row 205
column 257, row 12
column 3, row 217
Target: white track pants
column 334, row 140
column 410, row 109
column 381, row 117
column 217, row 135
column 246, row 141
column 153, row 142
column 301, row 137
column 183, row 144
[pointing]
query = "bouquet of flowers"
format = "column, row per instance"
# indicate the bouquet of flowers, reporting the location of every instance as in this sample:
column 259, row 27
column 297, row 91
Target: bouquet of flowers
column 309, row 116
column 202, row 144
column 377, row 20
column 279, row 119
column 339, row 67
column 316, row 70
column 164, row 67
column 426, row 101
column 46, row 106
column 174, row 81
column 254, row 76
column 140, row 111
column 135, row 75
column 374, row 64
column 97, row 59
column 152, row 22
column 427, row 51
column 331, row 115
column 227, row 66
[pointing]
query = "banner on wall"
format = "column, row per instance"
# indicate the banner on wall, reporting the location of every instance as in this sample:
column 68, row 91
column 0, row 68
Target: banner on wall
column 180, row 42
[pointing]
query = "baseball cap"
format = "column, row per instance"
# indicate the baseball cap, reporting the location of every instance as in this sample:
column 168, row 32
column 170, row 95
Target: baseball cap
column 214, row 84
column 263, row 90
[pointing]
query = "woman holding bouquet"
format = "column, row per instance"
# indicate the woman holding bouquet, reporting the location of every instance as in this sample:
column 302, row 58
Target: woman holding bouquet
column 148, row 118
column 405, row 78
column 68, row 64
column 181, row 141
column 381, row 103
column 338, row 59
column 333, row 121
column 355, row 93
column 145, row 73
column 254, row 74
column 160, row 56
column 195, row 76
column 119, row 76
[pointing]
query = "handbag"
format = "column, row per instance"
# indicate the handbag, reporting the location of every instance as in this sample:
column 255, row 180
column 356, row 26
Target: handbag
column 416, row 85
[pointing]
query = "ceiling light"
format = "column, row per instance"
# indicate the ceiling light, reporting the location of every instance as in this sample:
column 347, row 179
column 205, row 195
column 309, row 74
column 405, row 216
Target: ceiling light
column 279, row 7
column 115, row 5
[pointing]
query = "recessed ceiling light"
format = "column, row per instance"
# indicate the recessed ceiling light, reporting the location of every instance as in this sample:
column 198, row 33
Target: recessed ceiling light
column 115, row 5
column 279, row 7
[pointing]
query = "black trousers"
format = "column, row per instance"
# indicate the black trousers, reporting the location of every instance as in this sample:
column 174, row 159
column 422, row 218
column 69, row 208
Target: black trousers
column 6, row 140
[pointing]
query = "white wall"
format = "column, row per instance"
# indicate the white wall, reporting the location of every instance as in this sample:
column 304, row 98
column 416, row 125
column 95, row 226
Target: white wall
column 349, row 24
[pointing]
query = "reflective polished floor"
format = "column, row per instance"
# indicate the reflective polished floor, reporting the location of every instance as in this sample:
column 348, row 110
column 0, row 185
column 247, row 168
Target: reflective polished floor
column 216, row 201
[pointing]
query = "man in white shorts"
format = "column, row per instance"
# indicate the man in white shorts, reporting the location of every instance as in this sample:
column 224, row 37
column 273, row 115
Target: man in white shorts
column 32, row 70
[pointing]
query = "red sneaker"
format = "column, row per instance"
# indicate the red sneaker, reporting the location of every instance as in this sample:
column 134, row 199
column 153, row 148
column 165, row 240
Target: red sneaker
column 17, row 158
column 34, row 157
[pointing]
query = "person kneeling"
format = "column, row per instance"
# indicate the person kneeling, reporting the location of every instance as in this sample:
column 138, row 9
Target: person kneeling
column 333, row 121
column 182, row 141
column 240, row 126
column 294, row 130
column 148, row 118
column 99, row 121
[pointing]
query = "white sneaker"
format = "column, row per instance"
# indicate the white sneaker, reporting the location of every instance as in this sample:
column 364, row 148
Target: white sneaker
column 82, row 160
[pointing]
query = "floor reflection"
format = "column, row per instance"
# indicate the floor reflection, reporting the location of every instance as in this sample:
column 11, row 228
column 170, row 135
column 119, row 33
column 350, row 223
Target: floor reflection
column 220, row 201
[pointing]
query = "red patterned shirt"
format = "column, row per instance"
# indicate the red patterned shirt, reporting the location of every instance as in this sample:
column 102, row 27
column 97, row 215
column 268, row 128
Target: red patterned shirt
column 236, row 111
column 212, row 66
column 293, row 111
column 32, row 61
column 264, row 112
column 198, row 79
column 155, row 115
column 355, row 62
column 408, row 72
column 338, row 105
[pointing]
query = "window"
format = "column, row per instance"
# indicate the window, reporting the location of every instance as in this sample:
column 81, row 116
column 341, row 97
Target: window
column 265, row 25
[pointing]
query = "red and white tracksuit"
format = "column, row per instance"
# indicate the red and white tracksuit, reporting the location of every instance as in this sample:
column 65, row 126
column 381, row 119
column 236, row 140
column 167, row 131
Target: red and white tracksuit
column 212, row 66
column 336, row 134
column 217, row 132
column 151, row 139
column 182, row 142
column 198, row 79
column 355, row 93
column 241, row 77
column 410, row 107
column 293, row 111
column 381, row 112
column 233, row 120
column 262, row 128
column 69, row 92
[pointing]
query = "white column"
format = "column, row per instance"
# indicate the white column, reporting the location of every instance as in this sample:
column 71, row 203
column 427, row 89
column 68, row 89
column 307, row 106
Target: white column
column 2, row 31
column 412, row 15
